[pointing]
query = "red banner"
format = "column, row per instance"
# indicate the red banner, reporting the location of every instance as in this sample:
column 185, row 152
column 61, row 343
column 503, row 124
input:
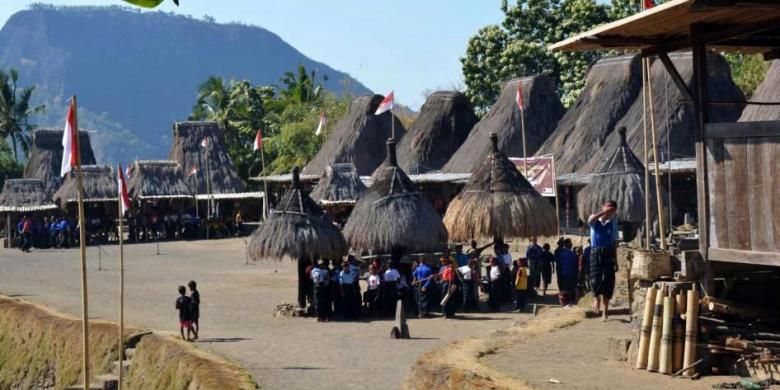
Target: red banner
column 541, row 174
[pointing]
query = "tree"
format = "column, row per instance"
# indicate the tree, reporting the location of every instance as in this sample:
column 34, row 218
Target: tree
column 15, row 112
column 747, row 70
column 9, row 168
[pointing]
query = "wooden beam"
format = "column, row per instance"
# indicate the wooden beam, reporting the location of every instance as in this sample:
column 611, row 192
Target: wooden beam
column 678, row 80
column 732, row 3
column 619, row 41
column 744, row 257
column 710, row 34
column 742, row 130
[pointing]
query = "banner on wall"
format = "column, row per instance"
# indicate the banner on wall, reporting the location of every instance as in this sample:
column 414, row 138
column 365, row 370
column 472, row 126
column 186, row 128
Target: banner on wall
column 541, row 173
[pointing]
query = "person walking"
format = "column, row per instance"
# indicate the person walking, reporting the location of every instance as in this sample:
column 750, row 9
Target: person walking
column 494, row 289
column 449, row 287
column 371, row 296
column 195, row 315
column 521, row 284
column 390, row 288
column 422, row 282
column 184, row 306
column 349, row 294
column 27, row 235
column 566, row 262
column 548, row 261
column 603, row 264
column 533, row 256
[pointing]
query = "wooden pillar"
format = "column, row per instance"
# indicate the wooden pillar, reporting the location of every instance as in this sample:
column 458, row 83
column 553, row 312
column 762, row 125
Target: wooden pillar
column 303, row 262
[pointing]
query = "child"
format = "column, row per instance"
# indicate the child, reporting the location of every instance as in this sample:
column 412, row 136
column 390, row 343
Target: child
column 183, row 305
column 195, row 305
column 521, row 284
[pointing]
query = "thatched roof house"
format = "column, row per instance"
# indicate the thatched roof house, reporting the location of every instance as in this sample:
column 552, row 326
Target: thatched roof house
column 442, row 125
column 45, row 157
column 543, row 109
column 498, row 203
column 357, row 138
column 393, row 216
column 24, row 195
column 298, row 229
column 156, row 179
column 339, row 185
column 189, row 153
column 767, row 91
column 99, row 185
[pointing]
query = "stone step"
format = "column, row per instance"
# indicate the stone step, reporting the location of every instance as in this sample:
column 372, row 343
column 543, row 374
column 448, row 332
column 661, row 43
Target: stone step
column 108, row 381
column 92, row 386
column 129, row 353
column 126, row 364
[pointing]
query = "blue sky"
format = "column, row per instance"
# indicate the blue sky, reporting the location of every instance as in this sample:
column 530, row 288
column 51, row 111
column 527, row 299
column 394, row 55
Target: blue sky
column 407, row 45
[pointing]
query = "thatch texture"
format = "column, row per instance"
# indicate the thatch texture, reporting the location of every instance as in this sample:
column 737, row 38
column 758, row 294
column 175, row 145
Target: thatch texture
column 156, row 179
column 444, row 122
column 357, row 138
column 543, row 109
column 297, row 228
column 339, row 185
column 45, row 159
column 767, row 91
column 622, row 179
column 498, row 202
column 188, row 152
column 393, row 216
column 24, row 195
column 99, row 185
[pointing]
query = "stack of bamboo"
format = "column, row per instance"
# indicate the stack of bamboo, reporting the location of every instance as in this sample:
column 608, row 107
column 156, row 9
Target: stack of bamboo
column 668, row 336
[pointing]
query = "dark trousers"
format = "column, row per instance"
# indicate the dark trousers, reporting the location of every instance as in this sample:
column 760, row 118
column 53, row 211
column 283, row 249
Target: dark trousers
column 494, row 292
column 521, row 296
column 423, row 299
column 452, row 304
column 26, row 241
column 322, row 302
column 470, row 297
column 370, row 299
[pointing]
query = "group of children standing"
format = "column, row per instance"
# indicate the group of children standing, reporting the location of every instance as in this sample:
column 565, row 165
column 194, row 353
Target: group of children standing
column 189, row 311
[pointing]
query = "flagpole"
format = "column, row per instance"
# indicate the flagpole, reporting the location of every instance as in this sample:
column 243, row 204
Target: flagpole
column 83, row 248
column 522, row 131
column 265, row 183
column 555, row 188
column 644, row 150
column 658, row 198
column 121, row 283
column 208, row 190
column 195, row 175
column 392, row 123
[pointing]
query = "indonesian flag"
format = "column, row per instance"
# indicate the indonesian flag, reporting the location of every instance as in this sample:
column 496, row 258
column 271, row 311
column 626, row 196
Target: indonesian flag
column 321, row 126
column 193, row 171
column 204, row 143
column 258, row 140
column 127, row 171
column 124, row 199
column 519, row 95
column 649, row 4
column 386, row 105
column 70, row 150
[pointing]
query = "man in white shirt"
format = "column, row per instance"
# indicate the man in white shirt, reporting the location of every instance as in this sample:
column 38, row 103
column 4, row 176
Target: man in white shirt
column 319, row 275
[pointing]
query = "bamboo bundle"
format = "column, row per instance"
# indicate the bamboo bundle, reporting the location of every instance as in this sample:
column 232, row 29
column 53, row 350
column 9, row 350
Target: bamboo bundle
column 647, row 322
column 678, row 330
column 665, row 358
column 691, row 329
column 655, row 332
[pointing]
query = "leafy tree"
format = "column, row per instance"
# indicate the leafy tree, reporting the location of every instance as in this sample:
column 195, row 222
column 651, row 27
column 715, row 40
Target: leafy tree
column 15, row 112
column 9, row 168
column 747, row 70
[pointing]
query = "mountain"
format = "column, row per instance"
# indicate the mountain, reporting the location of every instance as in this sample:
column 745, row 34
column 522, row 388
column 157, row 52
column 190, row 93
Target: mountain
column 136, row 73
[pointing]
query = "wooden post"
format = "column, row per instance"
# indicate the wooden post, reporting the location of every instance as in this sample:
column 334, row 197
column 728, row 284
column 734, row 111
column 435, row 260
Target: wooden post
column 678, row 330
column 120, row 230
column 82, row 249
column 555, row 188
column 691, row 331
column 655, row 333
column 208, row 190
column 665, row 361
column 8, row 231
column 302, row 282
column 647, row 322
column 522, row 135
column 644, row 149
column 658, row 198
column 265, row 184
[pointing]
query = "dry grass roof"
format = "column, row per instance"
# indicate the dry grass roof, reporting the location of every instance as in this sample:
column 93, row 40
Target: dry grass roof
column 45, row 159
column 25, row 195
column 156, row 179
column 357, row 138
column 99, row 185
column 340, row 184
column 767, row 91
column 188, row 152
column 442, row 125
column 543, row 110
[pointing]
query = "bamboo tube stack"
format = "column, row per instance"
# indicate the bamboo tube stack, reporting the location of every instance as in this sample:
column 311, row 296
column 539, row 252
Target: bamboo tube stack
column 655, row 331
column 644, row 332
column 665, row 352
column 678, row 332
column 691, row 331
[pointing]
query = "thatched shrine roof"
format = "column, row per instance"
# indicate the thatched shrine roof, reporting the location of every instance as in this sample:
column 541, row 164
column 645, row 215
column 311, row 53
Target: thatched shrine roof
column 339, row 185
column 767, row 91
column 357, row 138
column 543, row 109
column 498, row 202
column 99, row 185
column 393, row 216
column 24, row 195
column 297, row 228
column 442, row 125
column 189, row 153
column 156, row 179
column 45, row 158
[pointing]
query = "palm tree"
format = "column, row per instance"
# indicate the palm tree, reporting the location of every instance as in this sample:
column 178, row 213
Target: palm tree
column 15, row 111
column 213, row 101
column 302, row 87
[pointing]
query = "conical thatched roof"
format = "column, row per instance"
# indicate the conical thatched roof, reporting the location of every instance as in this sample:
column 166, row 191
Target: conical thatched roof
column 393, row 217
column 156, row 179
column 25, row 195
column 444, row 122
column 45, row 158
column 99, row 185
column 340, row 184
column 189, row 153
column 767, row 91
column 498, row 202
column 357, row 138
column 298, row 228
column 622, row 179
column 543, row 109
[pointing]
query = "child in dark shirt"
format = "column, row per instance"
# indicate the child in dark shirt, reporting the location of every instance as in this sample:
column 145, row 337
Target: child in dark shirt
column 184, row 306
column 195, row 304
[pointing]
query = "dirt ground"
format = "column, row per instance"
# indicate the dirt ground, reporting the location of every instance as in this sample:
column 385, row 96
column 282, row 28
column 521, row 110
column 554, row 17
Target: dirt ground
column 237, row 312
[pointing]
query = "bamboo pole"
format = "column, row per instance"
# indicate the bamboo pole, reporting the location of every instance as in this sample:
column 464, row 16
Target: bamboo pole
column 522, row 135
column 644, row 151
column 659, row 200
column 555, row 188
column 120, row 230
column 82, row 248
column 647, row 322
column 691, row 329
column 678, row 329
column 665, row 360
column 265, row 183
column 655, row 332
column 208, row 190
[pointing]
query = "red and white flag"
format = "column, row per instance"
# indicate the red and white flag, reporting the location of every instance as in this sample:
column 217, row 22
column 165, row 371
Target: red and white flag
column 519, row 95
column 193, row 171
column 649, row 4
column 322, row 124
column 124, row 199
column 127, row 171
column 386, row 105
column 70, row 150
column 258, row 140
column 204, row 143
